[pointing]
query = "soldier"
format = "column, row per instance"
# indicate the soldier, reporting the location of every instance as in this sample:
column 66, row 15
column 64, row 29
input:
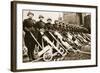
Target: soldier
column 40, row 29
column 55, row 25
column 60, row 26
column 40, row 24
column 28, row 26
column 48, row 27
column 63, row 28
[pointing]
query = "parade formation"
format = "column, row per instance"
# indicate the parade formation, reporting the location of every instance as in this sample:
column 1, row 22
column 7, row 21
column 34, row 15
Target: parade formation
column 54, row 42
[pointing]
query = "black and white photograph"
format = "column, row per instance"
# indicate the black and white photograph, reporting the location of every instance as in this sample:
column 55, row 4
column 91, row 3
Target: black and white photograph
column 53, row 36
column 56, row 36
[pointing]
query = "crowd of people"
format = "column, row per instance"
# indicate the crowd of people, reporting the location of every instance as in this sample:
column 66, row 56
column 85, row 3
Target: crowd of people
column 59, row 37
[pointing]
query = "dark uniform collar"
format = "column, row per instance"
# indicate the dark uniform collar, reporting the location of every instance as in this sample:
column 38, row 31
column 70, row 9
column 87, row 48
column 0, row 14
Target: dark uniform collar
column 41, row 21
column 30, row 18
column 48, row 23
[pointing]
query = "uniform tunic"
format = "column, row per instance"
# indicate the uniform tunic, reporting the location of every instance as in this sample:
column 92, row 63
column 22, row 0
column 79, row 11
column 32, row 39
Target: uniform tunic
column 48, row 27
column 39, row 25
column 28, row 25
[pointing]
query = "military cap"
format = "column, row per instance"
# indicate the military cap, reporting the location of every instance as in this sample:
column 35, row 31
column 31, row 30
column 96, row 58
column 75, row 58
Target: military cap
column 49, row 19
column 40, row 16
column 30, row 13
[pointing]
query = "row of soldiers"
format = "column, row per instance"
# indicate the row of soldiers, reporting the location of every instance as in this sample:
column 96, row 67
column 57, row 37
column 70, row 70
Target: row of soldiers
column 40, row 28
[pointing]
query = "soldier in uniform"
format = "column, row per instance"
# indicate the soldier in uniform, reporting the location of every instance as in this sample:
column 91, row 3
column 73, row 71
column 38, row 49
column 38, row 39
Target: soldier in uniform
column 48, row 28
column 40, row 29
column 55, row 28
column 40, row 24
column 28, row 26
column 63, row 28
column 60, row 29
column 55, row 25
column 48, row 25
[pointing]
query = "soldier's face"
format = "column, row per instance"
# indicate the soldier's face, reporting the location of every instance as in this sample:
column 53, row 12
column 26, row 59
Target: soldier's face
column 49, row 21
column 30, row 16
column 41, row 18
column 56, row 22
